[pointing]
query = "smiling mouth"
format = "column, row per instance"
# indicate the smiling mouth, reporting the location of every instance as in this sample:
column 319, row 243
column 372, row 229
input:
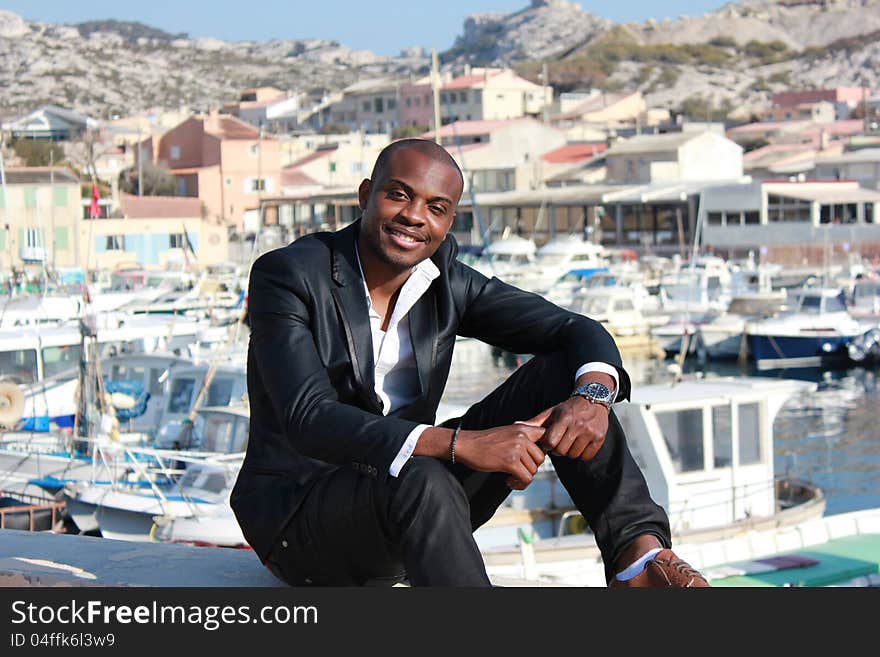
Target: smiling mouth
column 404, row 237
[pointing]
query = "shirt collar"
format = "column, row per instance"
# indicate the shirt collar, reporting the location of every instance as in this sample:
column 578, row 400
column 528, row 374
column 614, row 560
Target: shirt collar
column 426, row 269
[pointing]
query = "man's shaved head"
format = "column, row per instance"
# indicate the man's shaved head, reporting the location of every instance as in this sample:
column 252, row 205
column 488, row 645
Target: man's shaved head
column 424, row 146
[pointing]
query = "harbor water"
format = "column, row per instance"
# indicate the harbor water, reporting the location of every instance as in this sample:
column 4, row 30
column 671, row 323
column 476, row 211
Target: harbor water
column 829, row 437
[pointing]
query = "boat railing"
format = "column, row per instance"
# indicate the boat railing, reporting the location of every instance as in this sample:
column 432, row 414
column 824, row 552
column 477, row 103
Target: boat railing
column 152, row 467
column 31, row 504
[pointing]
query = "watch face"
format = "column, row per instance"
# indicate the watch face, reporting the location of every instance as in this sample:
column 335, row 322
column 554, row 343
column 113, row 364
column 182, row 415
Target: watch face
column 598, row 391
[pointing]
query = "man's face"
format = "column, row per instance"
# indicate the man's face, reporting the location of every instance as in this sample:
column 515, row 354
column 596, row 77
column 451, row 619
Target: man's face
column 409, row 208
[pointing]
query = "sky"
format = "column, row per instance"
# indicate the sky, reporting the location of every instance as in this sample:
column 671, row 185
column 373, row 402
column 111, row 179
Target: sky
column 383, row 26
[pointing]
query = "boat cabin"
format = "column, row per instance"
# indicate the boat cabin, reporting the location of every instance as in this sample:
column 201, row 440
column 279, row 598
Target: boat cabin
column 706, row 446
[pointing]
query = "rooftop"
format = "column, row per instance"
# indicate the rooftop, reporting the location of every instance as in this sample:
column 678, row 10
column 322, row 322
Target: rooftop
column 471, row 128
column 653, row 143
column 39, row 175
column 159, row 207
column 571, row 153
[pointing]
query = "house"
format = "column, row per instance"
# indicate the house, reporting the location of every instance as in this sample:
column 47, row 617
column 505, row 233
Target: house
column 481, row 94
column 368, row 105
column 677, row 156
column 818, row 112
column 50, row 122
column 862, row 165
column 40, row 212
column 154, row 232
column 335, row 162
column 501, row 155
column 606, row 109
column 267, row 107
column 800, row 222
column 224, row 162
column 577, row 163
column 843, row 99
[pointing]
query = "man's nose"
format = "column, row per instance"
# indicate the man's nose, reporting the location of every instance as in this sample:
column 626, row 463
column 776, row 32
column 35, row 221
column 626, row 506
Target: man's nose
column 415, row 212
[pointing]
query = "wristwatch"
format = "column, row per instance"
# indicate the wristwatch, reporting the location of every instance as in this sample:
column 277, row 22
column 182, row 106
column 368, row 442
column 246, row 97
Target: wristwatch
column 596, row 393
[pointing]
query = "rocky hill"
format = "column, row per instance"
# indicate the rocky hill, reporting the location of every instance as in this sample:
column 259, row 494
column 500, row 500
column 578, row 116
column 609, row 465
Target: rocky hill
column 731, row 59
column 726, row 61
column 104, row 68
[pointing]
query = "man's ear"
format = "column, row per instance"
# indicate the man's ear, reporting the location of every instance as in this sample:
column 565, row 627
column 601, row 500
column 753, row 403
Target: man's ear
column 364, row 192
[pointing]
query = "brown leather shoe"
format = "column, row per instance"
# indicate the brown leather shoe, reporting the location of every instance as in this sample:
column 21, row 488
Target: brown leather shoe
column 665, row 570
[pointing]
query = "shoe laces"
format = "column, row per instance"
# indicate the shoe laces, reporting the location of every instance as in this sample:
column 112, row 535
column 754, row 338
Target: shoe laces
column 683, row 567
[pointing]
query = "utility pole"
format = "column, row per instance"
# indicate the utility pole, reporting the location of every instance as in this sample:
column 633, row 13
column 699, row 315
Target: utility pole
column 52, row 206
column 435, row 87
column 545, row 83
column 140, row 156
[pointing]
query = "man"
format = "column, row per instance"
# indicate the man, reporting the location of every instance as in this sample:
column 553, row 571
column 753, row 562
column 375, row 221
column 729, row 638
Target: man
column 346, row 481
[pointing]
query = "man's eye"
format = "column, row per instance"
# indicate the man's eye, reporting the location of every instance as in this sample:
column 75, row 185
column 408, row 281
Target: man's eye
column 397, row 194
column 437, row 209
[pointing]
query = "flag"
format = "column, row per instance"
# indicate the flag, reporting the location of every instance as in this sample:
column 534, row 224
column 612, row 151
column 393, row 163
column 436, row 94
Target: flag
column 94, row 208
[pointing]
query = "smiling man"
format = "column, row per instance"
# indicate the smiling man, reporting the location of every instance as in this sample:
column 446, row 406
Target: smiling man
column 346, row 480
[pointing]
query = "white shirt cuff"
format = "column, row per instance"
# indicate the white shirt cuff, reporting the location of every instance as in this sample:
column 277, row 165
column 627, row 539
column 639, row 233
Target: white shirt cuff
column 605, row 368
column 406, row 451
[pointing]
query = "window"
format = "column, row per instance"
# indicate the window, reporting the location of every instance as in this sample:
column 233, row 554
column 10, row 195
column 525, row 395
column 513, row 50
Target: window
column 753, row 217
column 749, row 434
column 59, row 197
column 716, row 218
column 257, row 184
column 176, row 241
column 157, row 381
column 379, row 105
column 254, row 149
column 219, row 392
column 175, row 153
column 463, row 97
column 60, row 359
column 683, row 435
column 392, row 103
column 869, row 213
column 365, row 106
column 781, row 208
column 722, row 437
column 181, row 395
column 409, row 102
column 115, row 243
column 20, row 366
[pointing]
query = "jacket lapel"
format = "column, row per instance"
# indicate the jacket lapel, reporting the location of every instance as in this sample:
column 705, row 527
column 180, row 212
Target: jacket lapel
column 351, row 302
column 423, row 334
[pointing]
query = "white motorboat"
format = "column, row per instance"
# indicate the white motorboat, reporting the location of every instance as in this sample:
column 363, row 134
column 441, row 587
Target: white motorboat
column 816, row 330
column 189, row 504
column 705, row 447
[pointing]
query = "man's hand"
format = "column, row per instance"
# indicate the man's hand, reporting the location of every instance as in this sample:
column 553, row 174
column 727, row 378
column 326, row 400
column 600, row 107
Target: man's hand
column 575, row 428
column 509, row 449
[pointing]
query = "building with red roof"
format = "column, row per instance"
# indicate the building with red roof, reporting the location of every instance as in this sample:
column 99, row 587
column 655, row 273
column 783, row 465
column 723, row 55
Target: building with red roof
column 224, row 162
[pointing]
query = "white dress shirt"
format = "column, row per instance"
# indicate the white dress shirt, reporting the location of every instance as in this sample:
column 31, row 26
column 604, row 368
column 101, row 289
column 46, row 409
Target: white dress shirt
column 396, row 375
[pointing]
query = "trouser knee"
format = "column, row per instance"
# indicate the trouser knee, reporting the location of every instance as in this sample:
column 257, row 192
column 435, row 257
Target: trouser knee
column 426, row 490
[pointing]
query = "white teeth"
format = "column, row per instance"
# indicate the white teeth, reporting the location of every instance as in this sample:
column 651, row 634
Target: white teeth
column 406, row 238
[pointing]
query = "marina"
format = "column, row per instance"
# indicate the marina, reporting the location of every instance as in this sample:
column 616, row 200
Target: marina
column 710, row 198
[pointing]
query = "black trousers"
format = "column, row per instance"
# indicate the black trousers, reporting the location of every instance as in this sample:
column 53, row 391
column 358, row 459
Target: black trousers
column 353, row 529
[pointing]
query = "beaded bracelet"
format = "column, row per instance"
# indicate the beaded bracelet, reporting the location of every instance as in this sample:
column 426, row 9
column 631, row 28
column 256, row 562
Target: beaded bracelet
column 452, row 443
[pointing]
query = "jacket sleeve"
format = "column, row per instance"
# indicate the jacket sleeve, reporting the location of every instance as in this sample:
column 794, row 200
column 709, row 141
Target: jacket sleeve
column 525, row 323
column 284, row 364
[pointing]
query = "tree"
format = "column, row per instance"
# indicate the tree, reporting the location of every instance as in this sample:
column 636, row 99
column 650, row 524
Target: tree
column 157, row 180
column 38, row 153
column 407, row 131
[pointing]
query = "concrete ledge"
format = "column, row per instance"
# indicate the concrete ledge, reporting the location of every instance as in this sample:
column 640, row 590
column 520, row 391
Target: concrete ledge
column 48, row 559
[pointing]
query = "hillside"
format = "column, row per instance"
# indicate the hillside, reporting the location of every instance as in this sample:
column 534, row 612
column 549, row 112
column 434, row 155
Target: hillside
column 731, row 59
column 103, row 68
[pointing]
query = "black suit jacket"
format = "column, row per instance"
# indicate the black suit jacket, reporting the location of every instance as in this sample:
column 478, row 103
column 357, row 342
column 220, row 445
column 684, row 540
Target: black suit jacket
column 310, row 366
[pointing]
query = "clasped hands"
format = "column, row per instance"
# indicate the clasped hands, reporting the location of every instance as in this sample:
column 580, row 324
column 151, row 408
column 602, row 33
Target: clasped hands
column 575, row 429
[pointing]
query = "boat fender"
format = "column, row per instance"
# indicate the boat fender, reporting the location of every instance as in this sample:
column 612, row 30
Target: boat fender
column 11, row 404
